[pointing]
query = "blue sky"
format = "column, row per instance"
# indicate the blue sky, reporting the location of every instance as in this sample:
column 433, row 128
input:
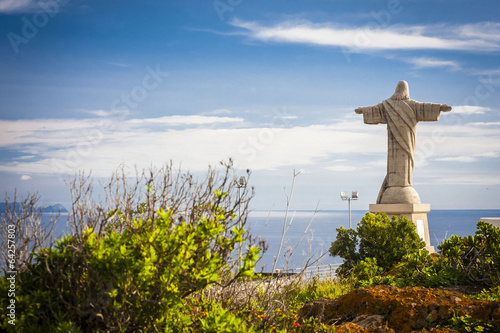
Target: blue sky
column 90, row 85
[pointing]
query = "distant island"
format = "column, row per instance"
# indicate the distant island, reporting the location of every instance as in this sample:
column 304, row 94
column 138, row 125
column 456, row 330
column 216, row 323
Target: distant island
column 49, row 209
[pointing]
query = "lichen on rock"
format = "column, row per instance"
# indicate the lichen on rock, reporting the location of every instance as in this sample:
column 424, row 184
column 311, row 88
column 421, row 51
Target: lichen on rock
column 393, row 309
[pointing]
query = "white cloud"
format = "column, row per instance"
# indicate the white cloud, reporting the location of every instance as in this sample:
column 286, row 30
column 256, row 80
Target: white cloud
column 217, row 112
column 465, row 159
column 344, row 146
column 476, row 37
column 107, row 113
column 92, row 144
column 48, row 132
column 25, row 177
column 488, row 77
column 437, row 140
column 342, row 168
column 490, row 154
column 468, row 158
column 425, row 62
column 186, row 120
column 8, row 6
column 489, row 180
column 378, row 163
column 45, row 131
column 470, row 109
column 488, row 72
column 493, row 123
column 25, row 157
column 482, row 30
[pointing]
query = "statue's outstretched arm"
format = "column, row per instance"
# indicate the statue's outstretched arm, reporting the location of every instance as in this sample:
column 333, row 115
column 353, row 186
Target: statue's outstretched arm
column 445, row 108
column 372, row 114
column 373, row 108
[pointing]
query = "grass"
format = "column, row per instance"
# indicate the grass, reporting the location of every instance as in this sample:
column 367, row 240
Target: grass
column 271, row 305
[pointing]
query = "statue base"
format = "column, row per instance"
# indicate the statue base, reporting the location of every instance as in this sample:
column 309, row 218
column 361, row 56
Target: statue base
column 400, row 195
column 414, row 212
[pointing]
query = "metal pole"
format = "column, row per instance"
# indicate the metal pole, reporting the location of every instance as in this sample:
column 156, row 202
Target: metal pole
column 239, row 223
column 349, row 200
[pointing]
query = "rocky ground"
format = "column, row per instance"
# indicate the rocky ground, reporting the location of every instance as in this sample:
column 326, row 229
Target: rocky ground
column 392, row 309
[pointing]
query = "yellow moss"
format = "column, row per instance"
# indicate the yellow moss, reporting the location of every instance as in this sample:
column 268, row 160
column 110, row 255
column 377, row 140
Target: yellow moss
column 404, row 309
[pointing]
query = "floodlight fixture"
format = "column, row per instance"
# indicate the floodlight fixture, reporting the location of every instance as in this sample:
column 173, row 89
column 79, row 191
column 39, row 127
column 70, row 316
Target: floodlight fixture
column 354, row 196
column 343, row 195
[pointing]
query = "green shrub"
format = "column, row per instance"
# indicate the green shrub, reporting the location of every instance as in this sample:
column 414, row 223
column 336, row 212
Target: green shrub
column 377, row 236
column 467, row 324
column 390, row 252
column 421, row 269
column 477, row 256
column 138, row 279
column 368, row 273
column 492, row 294
column 213, row 318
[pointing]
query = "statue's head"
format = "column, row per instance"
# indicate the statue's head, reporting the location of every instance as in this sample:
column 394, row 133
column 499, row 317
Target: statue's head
column 402, row 91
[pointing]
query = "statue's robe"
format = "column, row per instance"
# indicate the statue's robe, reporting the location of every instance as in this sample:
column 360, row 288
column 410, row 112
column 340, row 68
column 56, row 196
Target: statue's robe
column 401, row 117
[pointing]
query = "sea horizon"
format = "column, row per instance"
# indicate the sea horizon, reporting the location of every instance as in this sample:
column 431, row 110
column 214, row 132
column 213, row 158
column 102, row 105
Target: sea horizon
column 320, row 230
column 316, row 230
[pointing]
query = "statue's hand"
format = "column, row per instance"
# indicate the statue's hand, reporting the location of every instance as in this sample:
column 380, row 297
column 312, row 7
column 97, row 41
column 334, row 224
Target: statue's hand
column 359, row 111
column 445, row 108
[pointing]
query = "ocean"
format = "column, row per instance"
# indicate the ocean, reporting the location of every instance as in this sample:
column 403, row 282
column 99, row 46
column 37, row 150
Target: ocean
column 317, row 239
column 309, row 235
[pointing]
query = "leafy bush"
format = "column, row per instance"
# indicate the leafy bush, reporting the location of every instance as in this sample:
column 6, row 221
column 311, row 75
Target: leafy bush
column 137, row 279
column 390, row 252
column 376, row 236
column 492, row 294
column 213, row 318
column 467, row 324
column 461, row 260
column 368, row 273
column 421, row 269
column 138, row 264
column 477, row 256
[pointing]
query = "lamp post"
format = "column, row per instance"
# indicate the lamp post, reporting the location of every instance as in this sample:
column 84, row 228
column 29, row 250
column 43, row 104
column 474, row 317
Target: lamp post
column 242, row 182
column 345, row 196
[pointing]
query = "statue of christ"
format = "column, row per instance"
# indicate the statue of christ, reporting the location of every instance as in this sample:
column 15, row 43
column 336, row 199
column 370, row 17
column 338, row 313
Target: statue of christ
column 401, row 114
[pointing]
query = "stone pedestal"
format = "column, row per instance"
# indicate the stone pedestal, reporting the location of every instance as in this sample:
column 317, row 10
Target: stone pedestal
column 495, row 221
column 414, row 212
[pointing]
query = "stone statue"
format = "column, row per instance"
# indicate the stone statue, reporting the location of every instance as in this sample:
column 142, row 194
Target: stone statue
column 401, row 114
